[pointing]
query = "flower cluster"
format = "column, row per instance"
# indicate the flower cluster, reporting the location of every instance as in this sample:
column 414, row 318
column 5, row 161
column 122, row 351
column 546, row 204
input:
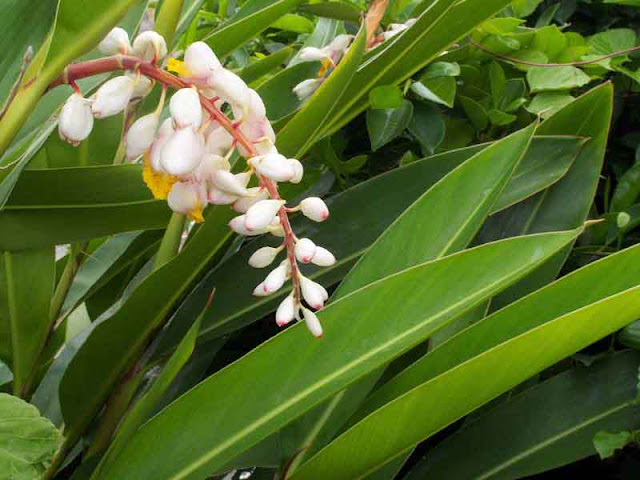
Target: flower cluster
column 330, row 55
column 187, row 157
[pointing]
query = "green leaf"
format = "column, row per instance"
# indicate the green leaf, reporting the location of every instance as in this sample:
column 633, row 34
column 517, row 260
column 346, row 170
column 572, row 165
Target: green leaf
column 222, row 423
column 58, row 206
column 29, row 282
column 117, row 340
column 546, row 104
column 571, row 293
column 440, row 69
column 441, row 23
column 386, row 125
column 167, row 19
column 500, row 119
column 27, row 440
column 401, row 424
column 440, row 90
column 607, row 443
column 261, row 67
column 293, row 23
column 559, row 78
column 428, row 126
column 386, row 96
column 476, row 112
column 547, row 426
column 144, row 407
column 303, row 129
column 627, row 190
column 339, row 10
column 611, row 41
column 245, row 26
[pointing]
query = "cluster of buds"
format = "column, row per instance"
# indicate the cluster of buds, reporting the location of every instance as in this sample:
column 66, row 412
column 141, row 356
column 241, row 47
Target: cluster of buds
column 76, row 118
column 330, row 55
column 187, row 157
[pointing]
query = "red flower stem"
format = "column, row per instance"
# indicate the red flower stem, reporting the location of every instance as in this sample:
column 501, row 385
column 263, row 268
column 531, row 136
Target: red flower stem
column 76, row 71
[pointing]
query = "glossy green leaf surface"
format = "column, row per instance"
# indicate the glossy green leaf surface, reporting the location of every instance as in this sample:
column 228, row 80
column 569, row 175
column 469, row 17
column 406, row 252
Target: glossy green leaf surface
column 425, row 410
column 29, row 282
column 223, row 423
column 572, row 292
column 243, row 28
column 547, row 426
column 27, row 440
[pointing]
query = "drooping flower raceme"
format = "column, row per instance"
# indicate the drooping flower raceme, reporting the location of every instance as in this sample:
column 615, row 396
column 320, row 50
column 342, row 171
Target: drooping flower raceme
column 187, row 158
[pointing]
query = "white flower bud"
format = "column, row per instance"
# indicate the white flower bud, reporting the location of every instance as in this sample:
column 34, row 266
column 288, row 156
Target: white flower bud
column 166, row 128
column 323, row 257
column 306, row 88
column 254, row 195
column 76, row 120
column 200, row 61
column 182, row 152
column 116, row 41
column 112, row 97
column 140, row 135
column 228, row 182
column 237, row 225
column 230, row 87
column 185, row 197
column 265, row 146
column 305, row 250
column 260, row 215
column 142, row 85
column 216, row 196
column 254, row 109
column 286, row 311
column 298, row 171
column 150, row 46
column 185, row 108
column 209, row 165
column 313, row 293
column 340, row 43
column 263, row 257
column 274, row 281
column 164, row 133
column 313, row 323
column 312, row 54
column 219, row 141
column 315, row 209
column 274, row 166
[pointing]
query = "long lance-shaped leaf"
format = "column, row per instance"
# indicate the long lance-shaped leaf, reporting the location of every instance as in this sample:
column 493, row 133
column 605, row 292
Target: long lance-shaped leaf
column 545, row 427
column 27, row 287
column 244, row 28
column 440, row 25
column 301, row 131
column 367, row 209
column 114, row 344
column 409, row 241
column 365, row 330
column 578, row 289
column 427, row 409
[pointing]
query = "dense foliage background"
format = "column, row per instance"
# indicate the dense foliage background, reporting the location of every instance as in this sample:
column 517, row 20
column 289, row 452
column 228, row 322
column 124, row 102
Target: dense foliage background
column 462, row 161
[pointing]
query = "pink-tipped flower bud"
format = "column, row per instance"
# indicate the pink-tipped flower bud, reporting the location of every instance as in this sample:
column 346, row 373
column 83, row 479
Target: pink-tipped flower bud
column 237, row 225
column 76, row 120
column 274, row 166
column 229, row 183
column 313, row 293
column 219, row 141
column 116, row 41
column 185, row 108
column 260, row 215
column 323, row 257
column 274, row 281
column 314, row 209
column 313, row 323
column 298, row 170
column 230, row 87
column 182, row 152
column 200, row 61
column 141, row 135
column 150, row 46
column 305, row 250
column 263, row 257
column 254, row 195
column 112, row 97
column 286, row 311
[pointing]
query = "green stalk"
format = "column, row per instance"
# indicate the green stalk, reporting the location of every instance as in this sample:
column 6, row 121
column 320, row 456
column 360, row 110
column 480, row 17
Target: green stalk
column 171, row 240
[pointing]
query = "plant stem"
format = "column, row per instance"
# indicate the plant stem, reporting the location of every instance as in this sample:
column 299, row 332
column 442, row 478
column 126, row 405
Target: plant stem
column 171, row 240
column 66, row 279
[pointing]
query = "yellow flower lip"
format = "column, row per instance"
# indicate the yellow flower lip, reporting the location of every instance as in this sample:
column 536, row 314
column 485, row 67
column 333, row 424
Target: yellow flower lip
column 158, row 182
column 179, row 67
